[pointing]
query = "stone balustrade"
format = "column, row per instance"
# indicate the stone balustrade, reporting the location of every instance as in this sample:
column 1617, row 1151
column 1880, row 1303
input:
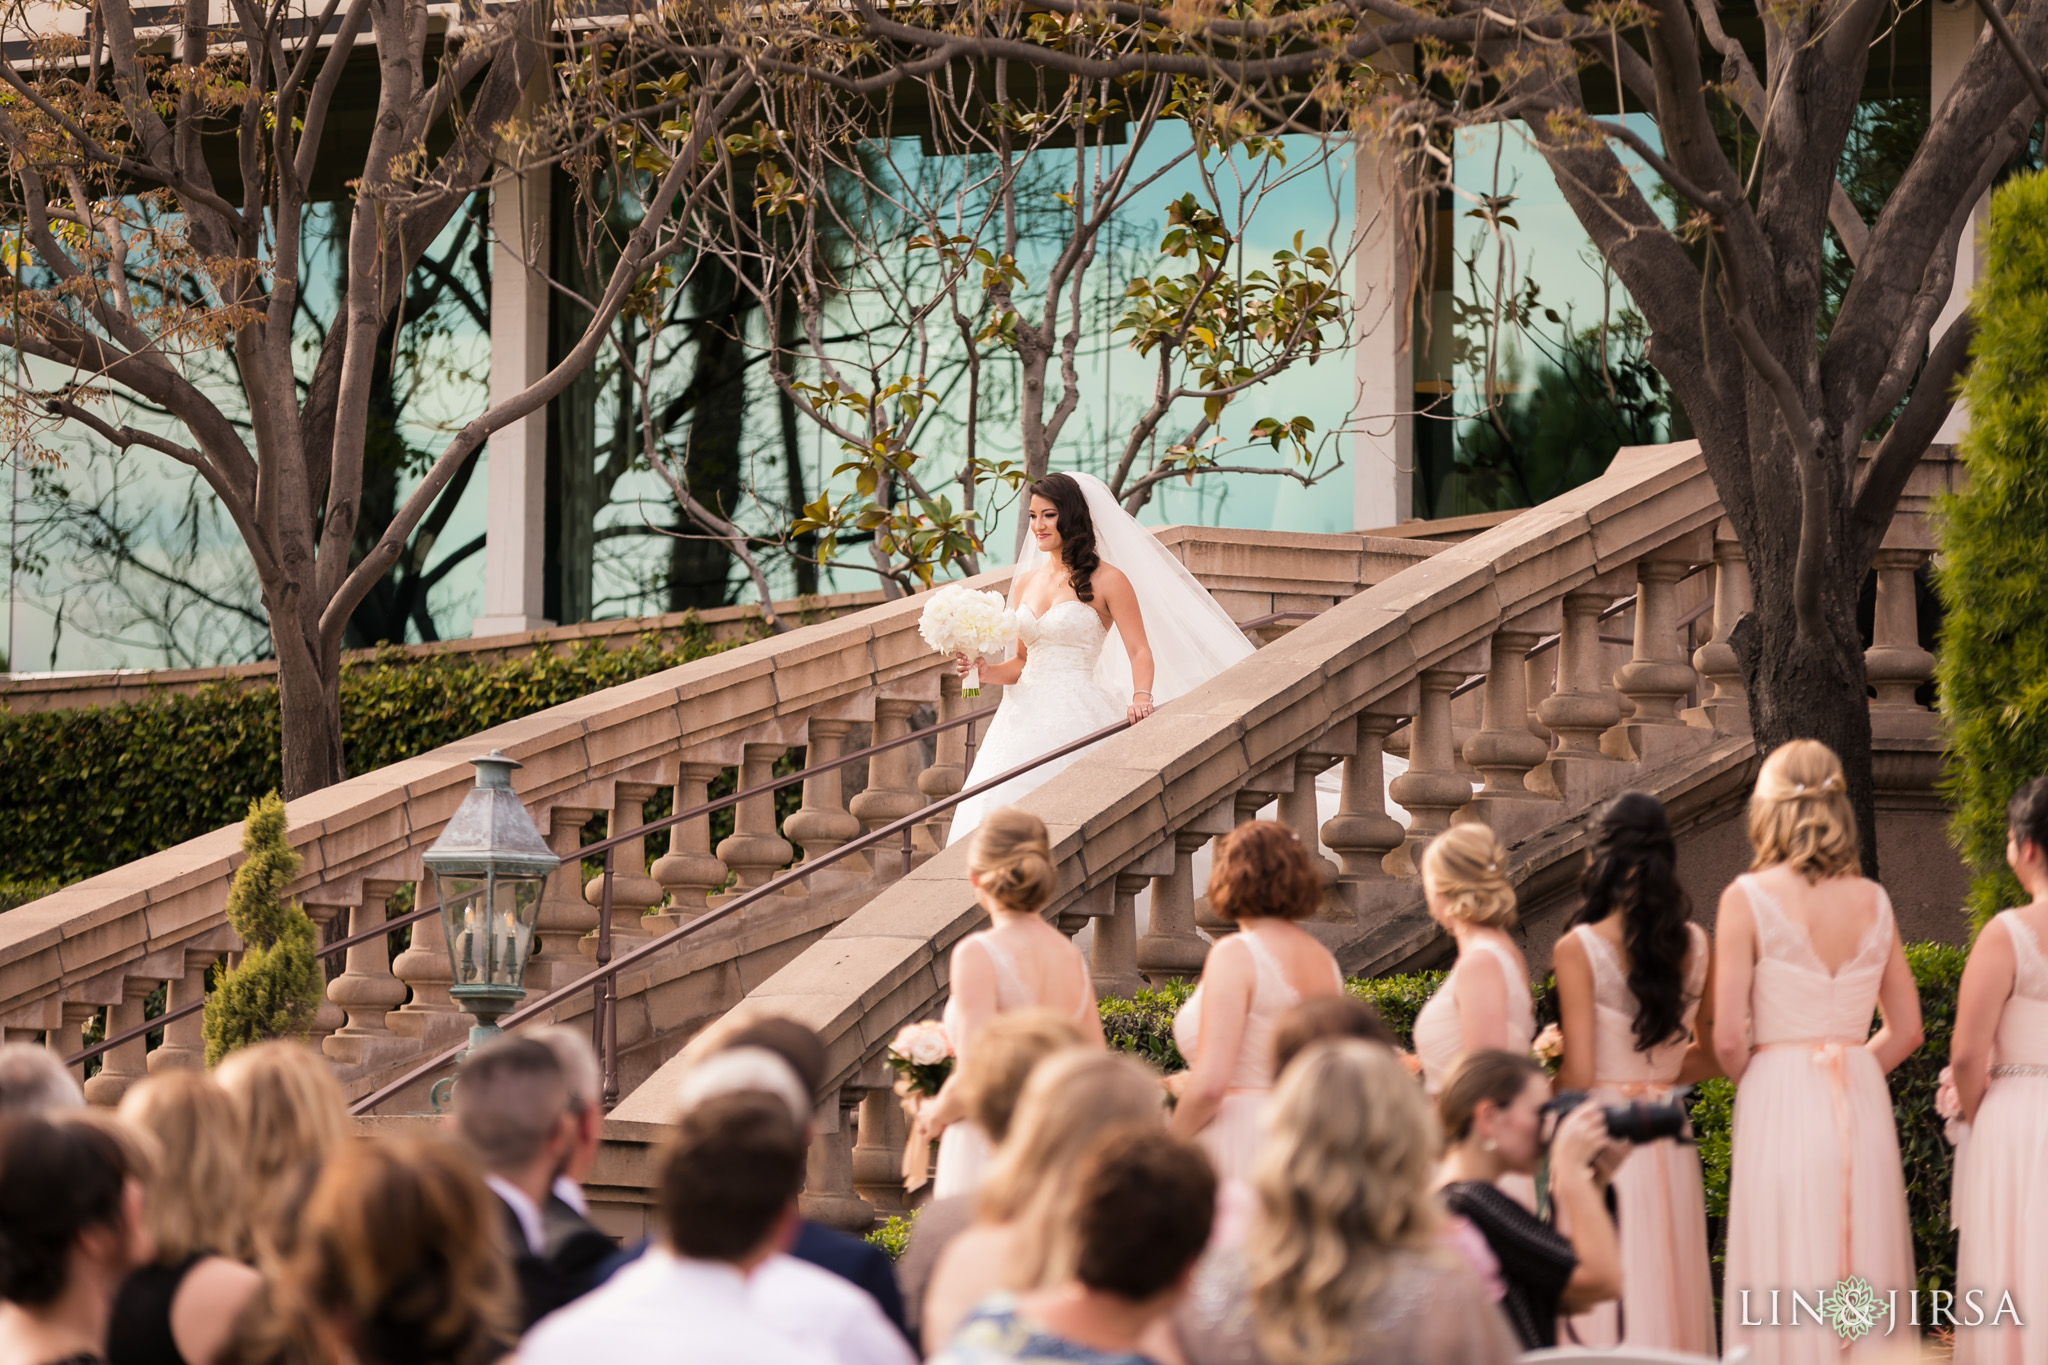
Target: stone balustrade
column 1519, row 625
column 101, row 948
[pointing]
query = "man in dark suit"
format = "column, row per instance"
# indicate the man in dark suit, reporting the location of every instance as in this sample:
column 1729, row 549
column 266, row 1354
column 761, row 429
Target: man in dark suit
column 576, row 1247
column 513, row 1110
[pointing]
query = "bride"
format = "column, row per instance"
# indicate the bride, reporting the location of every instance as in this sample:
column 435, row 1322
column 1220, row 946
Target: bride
column 1109, row 625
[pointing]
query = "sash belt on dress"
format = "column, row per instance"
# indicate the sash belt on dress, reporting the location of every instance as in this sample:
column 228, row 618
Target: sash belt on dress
column 1830, row 1053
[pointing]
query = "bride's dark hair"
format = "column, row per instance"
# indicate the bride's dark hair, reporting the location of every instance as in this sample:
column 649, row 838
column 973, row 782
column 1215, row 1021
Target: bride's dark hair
column 1633, row 868
column 1077, row 530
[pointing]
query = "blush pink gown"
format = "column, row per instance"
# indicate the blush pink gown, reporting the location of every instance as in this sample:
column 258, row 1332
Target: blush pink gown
column 1667, row 1296
column 1232, row 1137
column 1440, row 1038
column 2001, row 1181
column 964, row 1149
column 1816, row 1193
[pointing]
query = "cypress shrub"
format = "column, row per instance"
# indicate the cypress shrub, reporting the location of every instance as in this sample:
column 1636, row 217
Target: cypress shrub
column 275, row 989
column 1992, row 574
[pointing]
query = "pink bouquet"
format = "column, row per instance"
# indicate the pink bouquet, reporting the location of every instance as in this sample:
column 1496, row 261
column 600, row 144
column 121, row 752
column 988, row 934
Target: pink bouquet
column 922, row 1057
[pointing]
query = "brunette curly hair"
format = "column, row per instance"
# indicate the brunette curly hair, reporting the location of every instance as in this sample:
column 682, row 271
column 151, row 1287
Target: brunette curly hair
column 1077, row 531
column 1261, row 871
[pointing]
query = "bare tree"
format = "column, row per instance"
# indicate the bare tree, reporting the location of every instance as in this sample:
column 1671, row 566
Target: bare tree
column 140, row 245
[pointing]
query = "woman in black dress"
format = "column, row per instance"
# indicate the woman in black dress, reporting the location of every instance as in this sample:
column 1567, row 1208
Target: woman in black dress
column 71, row 1228
column 1492, row 1112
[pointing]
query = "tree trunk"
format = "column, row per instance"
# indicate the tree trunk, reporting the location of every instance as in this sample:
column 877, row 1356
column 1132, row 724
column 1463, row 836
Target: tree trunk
column 1805, row 688
column 309, row 716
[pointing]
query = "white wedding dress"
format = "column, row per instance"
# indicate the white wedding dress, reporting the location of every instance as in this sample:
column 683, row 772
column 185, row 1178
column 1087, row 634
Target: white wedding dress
column 1077, row 676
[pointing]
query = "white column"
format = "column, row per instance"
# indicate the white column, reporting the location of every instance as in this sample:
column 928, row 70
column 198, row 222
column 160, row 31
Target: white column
column 1954, row 34
column 1382, row 417
column 515, row 520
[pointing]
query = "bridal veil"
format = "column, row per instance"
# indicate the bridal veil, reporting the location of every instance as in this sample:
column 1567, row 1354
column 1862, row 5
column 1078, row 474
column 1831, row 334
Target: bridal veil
column 1192, row 637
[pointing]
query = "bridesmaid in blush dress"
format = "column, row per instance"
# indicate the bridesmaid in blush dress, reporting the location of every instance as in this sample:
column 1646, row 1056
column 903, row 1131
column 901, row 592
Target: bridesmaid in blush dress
column 1999, row 1061
column 1804, row 950
column 1263, row 879
column 1019, row 963
column 1484, row 1001
column 1633, row 978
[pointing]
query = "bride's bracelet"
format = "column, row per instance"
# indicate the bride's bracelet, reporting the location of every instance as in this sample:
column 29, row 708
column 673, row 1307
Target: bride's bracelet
column 1141, row 693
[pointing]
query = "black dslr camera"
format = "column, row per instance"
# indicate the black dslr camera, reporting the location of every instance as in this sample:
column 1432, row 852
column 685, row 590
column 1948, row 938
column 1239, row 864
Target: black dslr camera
column 1636, row 1121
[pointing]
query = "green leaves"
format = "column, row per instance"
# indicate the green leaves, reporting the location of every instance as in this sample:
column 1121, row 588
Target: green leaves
column 1993, row 568
column 275, row 989
column 92, row 789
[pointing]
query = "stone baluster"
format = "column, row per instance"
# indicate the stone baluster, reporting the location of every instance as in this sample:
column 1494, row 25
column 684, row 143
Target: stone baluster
column 1171, row 947
column 1299, row 812
column 690, row 872
column 423, row 966
column 948, row 771
column 1657, row 676
column 829, row 1196
column 330, row 1016
column 891, row 792
column 754, row 851
column 1113, row 956
column 1361, row 833
column 633, row 891
column 122, row 1066
column 564, row 917
column 1504, row 751
column 1895, row 662
column 1726, row 708
column 1431, row 791
column 184, row 1044
column 881, row 1132
column 1540, row 675
column 368, row 988
column 69, row 1035
column 823, row 823
column 1579, row 711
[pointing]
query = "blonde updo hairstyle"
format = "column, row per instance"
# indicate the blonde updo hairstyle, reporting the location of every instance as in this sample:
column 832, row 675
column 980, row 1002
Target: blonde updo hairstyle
column 1011, row 860
column 1469, row 870
column 1800, row 814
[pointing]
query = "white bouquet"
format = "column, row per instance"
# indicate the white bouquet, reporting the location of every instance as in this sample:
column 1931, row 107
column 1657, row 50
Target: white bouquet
column 960, row 620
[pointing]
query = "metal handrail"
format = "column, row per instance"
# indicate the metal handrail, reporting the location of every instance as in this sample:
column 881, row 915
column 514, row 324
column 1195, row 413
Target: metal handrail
column 606, row 975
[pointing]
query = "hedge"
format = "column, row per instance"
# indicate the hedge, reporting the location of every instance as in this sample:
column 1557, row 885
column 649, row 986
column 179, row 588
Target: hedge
column 1143, row 1025
column 92, row 789
column 1991, row 671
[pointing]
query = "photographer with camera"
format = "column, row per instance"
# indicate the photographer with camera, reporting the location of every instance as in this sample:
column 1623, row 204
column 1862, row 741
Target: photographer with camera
column 1634, row 994
column 1498, row 1117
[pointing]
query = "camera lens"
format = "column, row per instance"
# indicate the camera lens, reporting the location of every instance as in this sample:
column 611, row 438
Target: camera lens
column 1645, row 1121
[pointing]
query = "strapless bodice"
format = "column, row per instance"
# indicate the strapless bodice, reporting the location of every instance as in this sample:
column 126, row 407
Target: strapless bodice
column 1067, row 639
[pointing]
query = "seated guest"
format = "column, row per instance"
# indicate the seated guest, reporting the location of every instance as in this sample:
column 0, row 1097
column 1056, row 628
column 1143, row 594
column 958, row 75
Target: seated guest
column 1006, row 1051
column 392, row 1265
column 573, row 1245
column 180, row 1308
column 1492, row 1112
column 294, row 1120
column 817, row 1308
column 859, row 1262
column 512, row 1110
column 1136, row 1224
column 71, row 1229
column 1344, row 1260
column 726, row 1205
column 1070, row 1100
column 33, row 1081
column 1326, row 1016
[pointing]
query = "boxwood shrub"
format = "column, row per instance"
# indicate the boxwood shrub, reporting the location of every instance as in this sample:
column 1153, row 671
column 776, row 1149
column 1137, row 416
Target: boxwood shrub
column 92, row 789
